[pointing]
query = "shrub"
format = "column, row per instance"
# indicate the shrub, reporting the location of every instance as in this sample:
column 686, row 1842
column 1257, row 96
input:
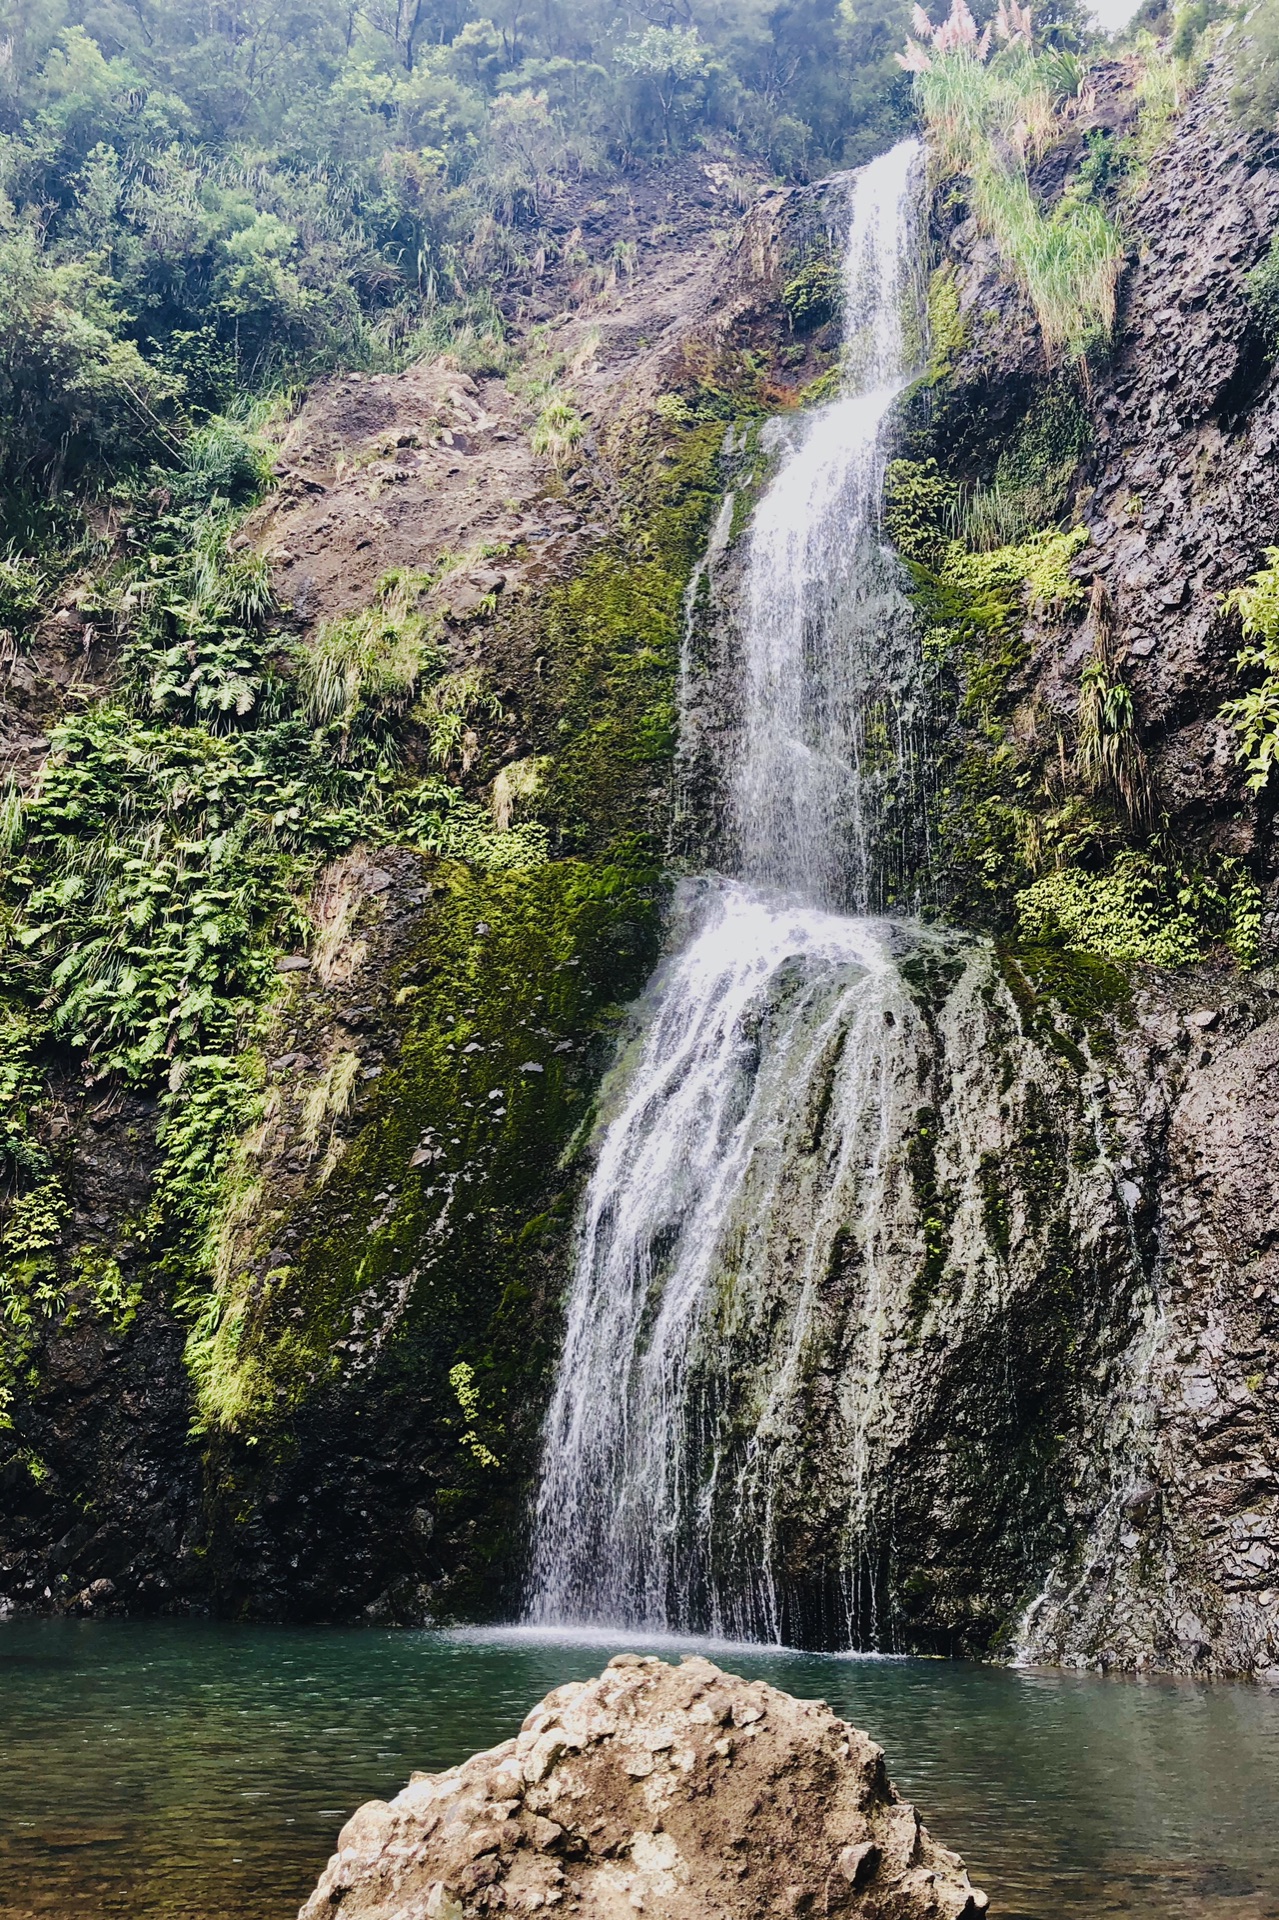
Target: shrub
column 23, row 585
column 1143, row 909
column 1254, row 716
column 1262, row 288
column 193, row 628
column 1254, row 100
column 220, row 468
column 919, row 506
column 1109, row 757
column 74, row 395
column 362, row 672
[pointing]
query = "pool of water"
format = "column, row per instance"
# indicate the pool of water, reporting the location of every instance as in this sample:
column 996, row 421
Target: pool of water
column 202, row 1772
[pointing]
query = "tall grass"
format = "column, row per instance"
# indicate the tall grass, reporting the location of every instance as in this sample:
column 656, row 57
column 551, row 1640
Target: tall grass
column 993, row 120
column 1068, row 260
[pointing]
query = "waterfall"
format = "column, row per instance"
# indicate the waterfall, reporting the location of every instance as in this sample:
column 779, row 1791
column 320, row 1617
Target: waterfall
column 751, row 1158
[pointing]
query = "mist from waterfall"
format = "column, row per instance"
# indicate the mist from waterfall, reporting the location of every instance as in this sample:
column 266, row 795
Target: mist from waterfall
column 775, row 1055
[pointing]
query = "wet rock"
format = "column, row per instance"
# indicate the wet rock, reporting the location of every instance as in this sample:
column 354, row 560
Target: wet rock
column 621, row 1795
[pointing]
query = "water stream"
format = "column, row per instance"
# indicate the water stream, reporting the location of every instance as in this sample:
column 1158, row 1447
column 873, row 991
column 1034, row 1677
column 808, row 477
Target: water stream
column 779, row 1016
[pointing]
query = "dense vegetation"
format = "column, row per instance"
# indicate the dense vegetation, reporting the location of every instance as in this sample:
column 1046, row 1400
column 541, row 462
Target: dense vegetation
column 194, row 199
column 198, row 209
column 1053, row 826
column 202, row 211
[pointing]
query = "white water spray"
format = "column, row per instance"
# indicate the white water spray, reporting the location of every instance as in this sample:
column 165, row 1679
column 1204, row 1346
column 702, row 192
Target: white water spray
column 829, row 648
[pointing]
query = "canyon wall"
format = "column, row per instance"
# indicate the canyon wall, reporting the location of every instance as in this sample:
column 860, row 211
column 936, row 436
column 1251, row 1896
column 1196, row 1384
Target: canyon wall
column 334, row 1409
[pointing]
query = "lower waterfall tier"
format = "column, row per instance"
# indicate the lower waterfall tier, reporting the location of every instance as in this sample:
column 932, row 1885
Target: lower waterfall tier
column 855, row 1273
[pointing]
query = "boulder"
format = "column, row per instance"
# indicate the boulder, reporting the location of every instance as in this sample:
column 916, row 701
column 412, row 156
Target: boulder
column 681, row 1792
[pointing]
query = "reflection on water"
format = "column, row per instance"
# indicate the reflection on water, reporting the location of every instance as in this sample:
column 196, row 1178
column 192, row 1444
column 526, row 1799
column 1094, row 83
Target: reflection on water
column 200, row 1772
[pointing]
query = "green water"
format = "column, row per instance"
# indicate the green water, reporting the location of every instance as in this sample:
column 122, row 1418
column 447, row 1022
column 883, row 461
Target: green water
column 202, row 1771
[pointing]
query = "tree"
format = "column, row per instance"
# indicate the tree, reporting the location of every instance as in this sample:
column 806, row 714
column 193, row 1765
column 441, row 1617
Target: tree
column 672, row 61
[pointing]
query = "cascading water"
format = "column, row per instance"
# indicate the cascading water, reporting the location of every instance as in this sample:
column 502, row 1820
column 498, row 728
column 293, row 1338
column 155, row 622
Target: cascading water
column 830, row 650
column 754, row 1256
column 624, row 1499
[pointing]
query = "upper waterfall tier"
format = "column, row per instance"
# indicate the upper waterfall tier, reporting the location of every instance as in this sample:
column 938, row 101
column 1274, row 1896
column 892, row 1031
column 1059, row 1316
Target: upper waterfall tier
column 829, row 656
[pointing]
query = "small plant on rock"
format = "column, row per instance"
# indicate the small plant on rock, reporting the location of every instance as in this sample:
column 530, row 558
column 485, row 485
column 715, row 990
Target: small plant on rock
column 1254, row 716
column 560, row 428
column 1108, row 755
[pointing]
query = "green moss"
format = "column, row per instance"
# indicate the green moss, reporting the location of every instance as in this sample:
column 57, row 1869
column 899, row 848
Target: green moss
column 611, row 636
column 1034, row 474
column 813, row 295
column 990, row 796
column 973, row 603
column 935, row 1205
column 947, row 328
column 1086, row 986
column 992, row 1184
column 421, row 1234
column 1055, row 989
column 975, row 606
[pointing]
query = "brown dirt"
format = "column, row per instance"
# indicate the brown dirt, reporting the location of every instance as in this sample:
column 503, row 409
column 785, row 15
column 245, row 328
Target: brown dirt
column 380, row 471
column 394, row 470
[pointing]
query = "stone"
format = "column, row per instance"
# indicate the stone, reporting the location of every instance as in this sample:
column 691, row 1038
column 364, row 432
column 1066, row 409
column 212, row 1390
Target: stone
column 617, row 1796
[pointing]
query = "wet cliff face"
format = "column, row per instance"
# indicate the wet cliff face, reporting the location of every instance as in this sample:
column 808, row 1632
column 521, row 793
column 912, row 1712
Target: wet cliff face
column 1167, row 456
column 1177, row 1568
column 1015, row 1390
column 1167, row 1505
column 1029, row 1364
column 1181, row 490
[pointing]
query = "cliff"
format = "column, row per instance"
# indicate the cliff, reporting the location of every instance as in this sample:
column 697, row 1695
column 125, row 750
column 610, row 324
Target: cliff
column 282, row 1348
column 315, row 1388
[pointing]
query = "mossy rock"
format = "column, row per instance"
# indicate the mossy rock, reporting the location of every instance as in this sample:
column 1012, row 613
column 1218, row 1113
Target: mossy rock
column 814, row 295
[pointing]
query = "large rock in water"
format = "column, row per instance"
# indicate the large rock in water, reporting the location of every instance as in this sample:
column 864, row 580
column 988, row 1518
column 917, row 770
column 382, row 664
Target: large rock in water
column 679, row 1791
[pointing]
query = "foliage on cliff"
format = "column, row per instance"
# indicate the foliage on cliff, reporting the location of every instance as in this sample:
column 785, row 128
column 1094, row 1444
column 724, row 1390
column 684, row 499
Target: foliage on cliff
column 995, row 103
column 1048, row 827
column 1049, row 820
column 991, row 119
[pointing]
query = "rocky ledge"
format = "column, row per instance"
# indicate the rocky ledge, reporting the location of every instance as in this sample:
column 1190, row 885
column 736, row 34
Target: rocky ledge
column 675, row 1791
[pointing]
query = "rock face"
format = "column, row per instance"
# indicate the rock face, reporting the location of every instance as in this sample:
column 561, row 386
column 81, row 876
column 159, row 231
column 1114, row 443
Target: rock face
column 1178, row 1570
column 1180, row 487
column 680, row 1791
column 1166, row 1557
